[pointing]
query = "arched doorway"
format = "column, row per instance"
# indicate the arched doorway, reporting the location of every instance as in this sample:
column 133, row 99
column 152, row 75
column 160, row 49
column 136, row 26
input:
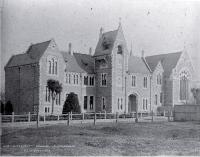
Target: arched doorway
column 132, row 103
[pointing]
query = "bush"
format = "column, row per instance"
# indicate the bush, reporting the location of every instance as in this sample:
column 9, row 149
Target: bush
column 71, row 104
column 8, row 108
column 2, row 108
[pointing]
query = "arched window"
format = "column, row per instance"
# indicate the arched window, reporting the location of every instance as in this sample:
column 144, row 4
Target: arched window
column 56, row 68
column 53, row 66
column 49, row 67
column 184, row 85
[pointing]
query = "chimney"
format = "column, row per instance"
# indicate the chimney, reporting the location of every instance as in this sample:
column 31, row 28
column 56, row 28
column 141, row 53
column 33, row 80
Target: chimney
column 90, row 51
column 101, row 32
column 70, row 48
column 142, row 53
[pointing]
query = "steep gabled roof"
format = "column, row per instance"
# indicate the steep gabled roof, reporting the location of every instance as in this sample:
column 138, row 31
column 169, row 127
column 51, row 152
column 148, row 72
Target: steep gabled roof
column 32, row 55
column 168, row 61
column 86, row 62
column 71, row 63
column 108, row 37
column 80, row 63
column 137, row 65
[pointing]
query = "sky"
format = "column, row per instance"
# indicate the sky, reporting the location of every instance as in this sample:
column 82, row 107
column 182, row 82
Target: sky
column 155, row 26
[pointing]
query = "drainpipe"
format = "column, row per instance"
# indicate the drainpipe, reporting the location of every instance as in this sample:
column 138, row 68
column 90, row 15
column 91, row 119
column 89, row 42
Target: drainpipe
column 150, row 91
column 125, row 94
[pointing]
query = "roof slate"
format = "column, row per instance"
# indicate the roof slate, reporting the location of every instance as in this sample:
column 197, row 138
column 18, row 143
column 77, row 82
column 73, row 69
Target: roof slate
column 109, row 36
column 32, row 55
column 168, row 61
column 137, row 65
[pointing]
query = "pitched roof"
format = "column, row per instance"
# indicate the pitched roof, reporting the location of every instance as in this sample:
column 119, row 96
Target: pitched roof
column 71, row 63
column 168, row 61
column 137, row 65
column 32, row 55
column 86, row 62
column 109, row 37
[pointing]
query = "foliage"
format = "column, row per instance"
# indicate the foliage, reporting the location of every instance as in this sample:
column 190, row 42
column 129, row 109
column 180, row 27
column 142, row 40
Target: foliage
column 55, row 87
column 195, row 92
column 8, row 108
column 71, row 104
column 2, row 107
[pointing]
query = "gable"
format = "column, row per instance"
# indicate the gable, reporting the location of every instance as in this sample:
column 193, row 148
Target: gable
column 168, row 61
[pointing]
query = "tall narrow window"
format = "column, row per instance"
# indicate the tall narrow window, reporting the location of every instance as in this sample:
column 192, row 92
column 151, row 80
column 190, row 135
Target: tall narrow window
column 49, row 67
column 146, row 104
column 161, row 97
column 103, row 103
column 145, row 82
column 56, row 68
column 143, row 104
column 69, row 78
column 74, row 79
column 103, row 79
column 118, row 103
column 66, row 78
column 156, row 99
column 91, row 102
column 85, row 102
column 53, row 66
column 184, row 86
column 85, row 80
column 121, row 103
column 133, row 81
column 46, row 95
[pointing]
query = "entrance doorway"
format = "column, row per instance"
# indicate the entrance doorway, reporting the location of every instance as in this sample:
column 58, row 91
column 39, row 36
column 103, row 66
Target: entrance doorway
column 132, row 103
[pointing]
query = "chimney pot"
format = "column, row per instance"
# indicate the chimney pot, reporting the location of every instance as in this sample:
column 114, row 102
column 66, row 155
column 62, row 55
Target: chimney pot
column 101, row 32
column 142, row 53
column 70, row 48
column 90, row 51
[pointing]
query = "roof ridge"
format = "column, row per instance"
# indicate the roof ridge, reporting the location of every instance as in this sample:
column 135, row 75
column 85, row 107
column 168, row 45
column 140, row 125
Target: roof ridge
column 40, row 43
column 165, row 54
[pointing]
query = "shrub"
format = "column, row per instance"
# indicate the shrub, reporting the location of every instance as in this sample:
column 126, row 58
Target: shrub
column 8, row 108
column 71, row 104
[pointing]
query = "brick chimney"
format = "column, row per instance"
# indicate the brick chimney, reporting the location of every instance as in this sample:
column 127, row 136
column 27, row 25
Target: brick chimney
column 70, row 48
column 142, row 53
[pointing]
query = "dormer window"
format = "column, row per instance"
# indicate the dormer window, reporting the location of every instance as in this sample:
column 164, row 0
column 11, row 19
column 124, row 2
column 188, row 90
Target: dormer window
column 105, row 44
column 119, row 49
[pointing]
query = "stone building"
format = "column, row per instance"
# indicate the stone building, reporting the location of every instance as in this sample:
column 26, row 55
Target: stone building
column 112, row 79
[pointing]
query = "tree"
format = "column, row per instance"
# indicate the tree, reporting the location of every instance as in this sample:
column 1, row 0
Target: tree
column 8, row 108
column 195, row 92
column 71, row 104
column 55, row 88
column 2, row 107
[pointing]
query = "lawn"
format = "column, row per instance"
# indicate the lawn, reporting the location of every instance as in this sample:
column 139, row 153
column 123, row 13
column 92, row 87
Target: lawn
column 158, row 138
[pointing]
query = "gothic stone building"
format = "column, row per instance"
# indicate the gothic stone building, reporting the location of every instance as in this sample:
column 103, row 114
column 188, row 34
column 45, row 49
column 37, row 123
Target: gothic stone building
column 112, row 79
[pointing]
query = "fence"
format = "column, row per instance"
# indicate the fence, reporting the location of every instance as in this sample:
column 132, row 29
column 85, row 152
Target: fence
column 72, row 116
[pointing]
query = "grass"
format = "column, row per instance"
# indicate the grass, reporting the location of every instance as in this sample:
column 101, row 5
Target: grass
column 158, row 138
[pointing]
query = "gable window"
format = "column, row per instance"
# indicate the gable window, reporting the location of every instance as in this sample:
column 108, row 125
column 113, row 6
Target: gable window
column 52, row 65
column 85, row 102
column 184, row 86
column 133, row 81
column 85, row 80
column 145, row 82
column 91, row 102
column 103, row 103
column 103, row 79
column 119, row 49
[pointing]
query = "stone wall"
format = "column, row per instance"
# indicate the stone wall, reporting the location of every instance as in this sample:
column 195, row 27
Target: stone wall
column 187, row 112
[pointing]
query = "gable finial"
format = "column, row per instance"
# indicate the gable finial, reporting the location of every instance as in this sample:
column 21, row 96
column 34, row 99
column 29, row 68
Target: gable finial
column 119, row 22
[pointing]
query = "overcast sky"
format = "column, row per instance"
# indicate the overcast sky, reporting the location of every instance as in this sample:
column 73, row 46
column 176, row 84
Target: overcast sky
column 153, row 26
